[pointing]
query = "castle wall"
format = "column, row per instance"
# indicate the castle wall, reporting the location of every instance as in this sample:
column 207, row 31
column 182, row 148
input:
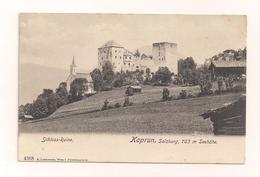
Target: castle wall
column 164, row 54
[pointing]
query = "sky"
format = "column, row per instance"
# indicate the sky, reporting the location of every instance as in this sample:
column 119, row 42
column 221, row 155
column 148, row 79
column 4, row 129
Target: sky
column 53, row 39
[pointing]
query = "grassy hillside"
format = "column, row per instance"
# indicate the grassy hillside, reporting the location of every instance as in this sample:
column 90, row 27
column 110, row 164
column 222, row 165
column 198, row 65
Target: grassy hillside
column 149, row 94
column 147, row 115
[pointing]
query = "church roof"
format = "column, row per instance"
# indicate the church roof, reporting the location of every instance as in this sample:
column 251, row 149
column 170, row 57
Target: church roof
column 81, row 75
column 111, row 43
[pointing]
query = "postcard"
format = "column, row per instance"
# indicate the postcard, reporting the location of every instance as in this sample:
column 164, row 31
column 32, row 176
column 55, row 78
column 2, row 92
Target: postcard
column 132, row 88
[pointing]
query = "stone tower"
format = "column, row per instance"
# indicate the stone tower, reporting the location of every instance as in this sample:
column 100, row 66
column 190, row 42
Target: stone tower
column 164, row 54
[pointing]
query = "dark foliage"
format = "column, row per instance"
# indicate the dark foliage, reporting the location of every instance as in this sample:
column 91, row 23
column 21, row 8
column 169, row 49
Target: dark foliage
column 127, row 102
column 183, row 94
column 97, row 78
column 77, row 89
column 163, row 75
column 40, row 108
column 62, row 95
column 105, row 105
column 165, row 94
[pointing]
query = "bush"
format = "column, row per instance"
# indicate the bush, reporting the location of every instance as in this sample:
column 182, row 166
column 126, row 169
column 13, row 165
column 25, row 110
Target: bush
column 129, row 91
column 205, row 87
column 165, row 94
column 117, row 105
column 183, row 94
column 127, row 102
column 105, row 105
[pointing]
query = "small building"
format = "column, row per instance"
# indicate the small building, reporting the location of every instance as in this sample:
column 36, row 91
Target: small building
column 225, row 68
column 76, row 75
column 131, row 90
column 229, row 119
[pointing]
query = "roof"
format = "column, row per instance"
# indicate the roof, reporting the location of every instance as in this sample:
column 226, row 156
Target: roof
column 237, row 106
column 83, row 75
column 127, row 52
column 230, row 63
column 111, row 43
column 136, row 87
column 164, row 42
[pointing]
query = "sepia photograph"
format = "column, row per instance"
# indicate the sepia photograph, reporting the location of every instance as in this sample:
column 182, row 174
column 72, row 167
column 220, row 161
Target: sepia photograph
column 140, row 88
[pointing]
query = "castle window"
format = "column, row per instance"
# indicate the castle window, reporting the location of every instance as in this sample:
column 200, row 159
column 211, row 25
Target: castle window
column 128, row 64
column 101, row 58
column 120, row 57
column 129, row 57
column 115, row 56
column 115, row 51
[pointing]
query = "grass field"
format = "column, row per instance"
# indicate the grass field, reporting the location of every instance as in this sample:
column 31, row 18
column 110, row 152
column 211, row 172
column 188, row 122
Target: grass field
column 147, row 115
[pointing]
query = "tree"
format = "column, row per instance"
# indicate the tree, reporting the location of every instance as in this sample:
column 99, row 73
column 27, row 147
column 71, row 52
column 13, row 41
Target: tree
column 40, row 109
column 50, row 100
column 119, row 79
column 139, row 76
column 162, row 75
column 77, row 89
column 107, row 73
column 187, row 69
column 147, row 75
column 28, row 108
column 61, row 94
column 21, row 111
column 137, row 53
column 97, row 78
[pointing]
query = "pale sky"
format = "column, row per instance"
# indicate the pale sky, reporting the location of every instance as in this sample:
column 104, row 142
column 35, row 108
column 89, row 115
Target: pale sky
column 53, row 39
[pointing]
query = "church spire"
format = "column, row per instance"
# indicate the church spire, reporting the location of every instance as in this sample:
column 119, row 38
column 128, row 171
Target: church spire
column 73, row 67
column 73, row 62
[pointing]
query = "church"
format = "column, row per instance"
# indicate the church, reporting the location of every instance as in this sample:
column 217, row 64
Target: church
column 76, row 75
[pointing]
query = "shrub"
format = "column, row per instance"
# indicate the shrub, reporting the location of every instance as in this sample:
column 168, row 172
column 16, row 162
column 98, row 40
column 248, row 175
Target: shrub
column 165, row 94
column 127, row 102
column 105, row 105
column 117, row 105
column 129, row 91
column 190, row 95
column 183, row 94
column 205, row 87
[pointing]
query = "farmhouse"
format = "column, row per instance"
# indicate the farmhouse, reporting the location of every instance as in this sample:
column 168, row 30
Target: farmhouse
column 163, row 54
column 229, row 119
column 75, row 75
column 226, row 68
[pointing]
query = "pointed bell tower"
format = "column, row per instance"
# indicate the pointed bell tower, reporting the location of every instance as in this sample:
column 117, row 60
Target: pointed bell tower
column 73, row 67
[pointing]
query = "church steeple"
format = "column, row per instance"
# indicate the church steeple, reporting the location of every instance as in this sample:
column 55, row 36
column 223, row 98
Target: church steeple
column 73, row 67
